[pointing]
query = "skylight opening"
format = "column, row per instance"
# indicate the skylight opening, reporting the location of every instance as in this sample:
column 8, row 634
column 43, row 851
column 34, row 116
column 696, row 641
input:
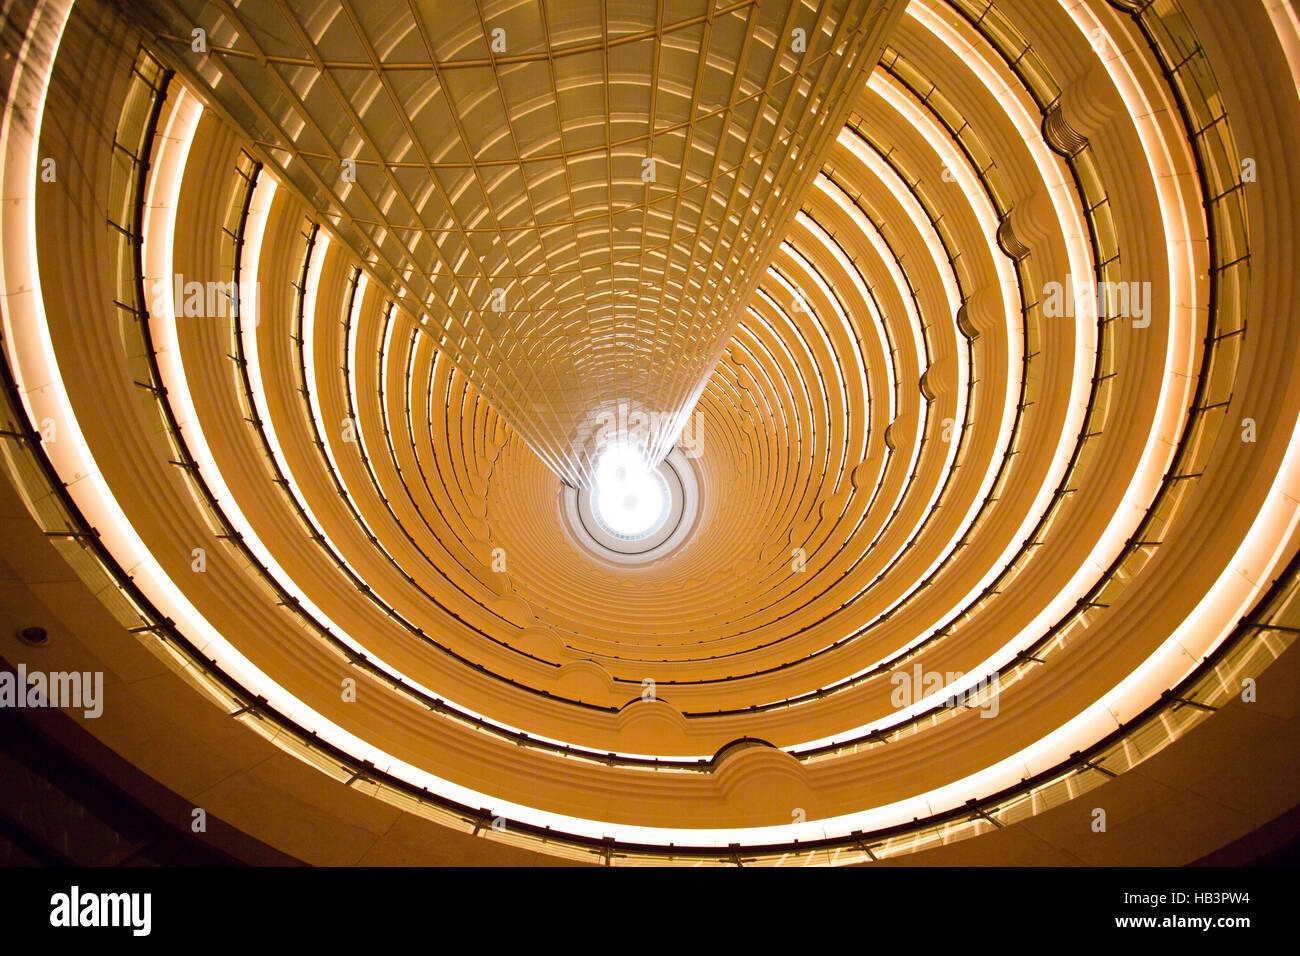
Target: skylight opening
column 629, row 500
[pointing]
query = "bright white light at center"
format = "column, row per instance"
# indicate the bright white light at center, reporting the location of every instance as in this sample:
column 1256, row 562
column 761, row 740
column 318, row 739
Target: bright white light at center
column 628, row 498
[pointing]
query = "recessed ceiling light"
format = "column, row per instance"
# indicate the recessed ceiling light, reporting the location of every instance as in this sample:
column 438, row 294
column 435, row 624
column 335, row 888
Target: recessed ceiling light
column 33, row 635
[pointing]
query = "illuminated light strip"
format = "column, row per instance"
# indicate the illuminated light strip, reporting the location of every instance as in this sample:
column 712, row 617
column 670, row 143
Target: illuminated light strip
column 317, row 412
column 836, row 194
column 165, row 182
column 890, row 355
column 815, row 329
column 804, row 335
column 20, row 280
column 248, row 332
column 774, row 411
column 314, row 268
column 888, row 258
column 921, row 349
column 850, row 329
column 868, row 299
column 979, row 204
column 856, row 357
column 1015, row 345
column 897, row 97
column 385, row 380
column 1176, row 221
column 855, row 354
column 384, row 359
column 388, row 317
column 940, row 484
column 772, row 373
column 33, row 361
column 1022, row 116
column 820, row 281
column 354, row 320
column 426, row 428
column 924, row 229
column 367, row 460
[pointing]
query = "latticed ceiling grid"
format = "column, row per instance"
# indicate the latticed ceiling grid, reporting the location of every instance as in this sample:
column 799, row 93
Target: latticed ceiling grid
column 577, row 217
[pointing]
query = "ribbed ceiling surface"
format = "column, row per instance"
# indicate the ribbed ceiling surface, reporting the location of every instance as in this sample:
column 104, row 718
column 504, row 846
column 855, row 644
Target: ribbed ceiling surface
column 573, row 198
column 972, row 539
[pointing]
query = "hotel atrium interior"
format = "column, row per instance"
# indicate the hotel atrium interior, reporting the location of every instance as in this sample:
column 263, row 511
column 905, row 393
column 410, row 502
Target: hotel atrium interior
column 650, row 432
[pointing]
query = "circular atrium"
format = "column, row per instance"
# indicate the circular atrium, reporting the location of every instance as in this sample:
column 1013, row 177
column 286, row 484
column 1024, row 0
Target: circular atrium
column 850, row 432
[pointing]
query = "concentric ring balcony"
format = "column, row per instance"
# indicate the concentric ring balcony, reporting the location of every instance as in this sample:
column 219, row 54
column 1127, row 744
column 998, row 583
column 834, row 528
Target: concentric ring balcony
column 913, row 450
